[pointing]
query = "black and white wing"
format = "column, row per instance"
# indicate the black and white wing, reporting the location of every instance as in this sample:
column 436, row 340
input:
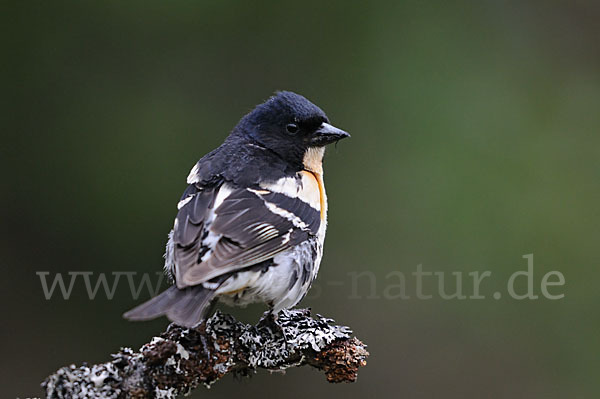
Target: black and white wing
column 226, row 228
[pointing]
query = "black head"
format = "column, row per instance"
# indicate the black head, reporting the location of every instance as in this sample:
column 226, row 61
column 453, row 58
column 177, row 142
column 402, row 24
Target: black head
column 289, row 125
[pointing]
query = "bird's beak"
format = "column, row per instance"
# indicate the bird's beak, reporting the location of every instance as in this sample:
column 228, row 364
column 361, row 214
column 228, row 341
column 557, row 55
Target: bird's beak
column 327, row 134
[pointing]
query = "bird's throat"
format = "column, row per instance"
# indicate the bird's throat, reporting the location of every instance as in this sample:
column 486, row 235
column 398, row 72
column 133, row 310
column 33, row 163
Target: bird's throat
column 313, row 160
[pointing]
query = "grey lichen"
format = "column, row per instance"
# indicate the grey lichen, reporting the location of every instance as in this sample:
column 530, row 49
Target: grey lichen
column 181, row 359
column 269, row 348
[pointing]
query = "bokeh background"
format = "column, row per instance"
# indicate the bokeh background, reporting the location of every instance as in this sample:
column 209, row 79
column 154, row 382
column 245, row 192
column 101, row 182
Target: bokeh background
column 475, row 140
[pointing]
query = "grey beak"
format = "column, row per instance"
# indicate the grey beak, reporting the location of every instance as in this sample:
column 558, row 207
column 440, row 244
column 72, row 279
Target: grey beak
column 327, row 134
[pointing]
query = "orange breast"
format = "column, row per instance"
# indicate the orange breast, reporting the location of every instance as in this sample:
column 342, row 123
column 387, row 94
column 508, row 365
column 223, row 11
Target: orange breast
column 317, row 180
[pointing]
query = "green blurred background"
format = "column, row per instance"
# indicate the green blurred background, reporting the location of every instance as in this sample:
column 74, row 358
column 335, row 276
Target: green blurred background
column 475, row 140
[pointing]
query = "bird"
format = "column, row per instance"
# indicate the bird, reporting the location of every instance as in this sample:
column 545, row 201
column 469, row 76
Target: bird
column 251, row 224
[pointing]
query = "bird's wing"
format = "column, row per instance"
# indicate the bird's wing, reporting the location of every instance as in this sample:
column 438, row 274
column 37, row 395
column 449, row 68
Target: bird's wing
column 225, row 229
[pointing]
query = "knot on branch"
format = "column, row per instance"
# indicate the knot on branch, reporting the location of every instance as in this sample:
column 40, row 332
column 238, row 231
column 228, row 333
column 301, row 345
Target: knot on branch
column 180, row 358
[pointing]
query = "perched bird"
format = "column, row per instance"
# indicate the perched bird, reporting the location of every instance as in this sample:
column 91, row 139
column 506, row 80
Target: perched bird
column 251, row 223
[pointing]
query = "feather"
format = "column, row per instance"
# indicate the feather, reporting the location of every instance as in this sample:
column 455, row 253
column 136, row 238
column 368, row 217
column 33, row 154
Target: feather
column 184, row 307
column 225, row 229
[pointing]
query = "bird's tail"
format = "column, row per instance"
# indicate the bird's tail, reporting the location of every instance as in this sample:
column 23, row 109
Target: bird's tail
column 187, row 307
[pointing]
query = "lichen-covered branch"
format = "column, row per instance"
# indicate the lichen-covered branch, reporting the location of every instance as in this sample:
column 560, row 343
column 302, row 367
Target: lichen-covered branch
column 180, row 359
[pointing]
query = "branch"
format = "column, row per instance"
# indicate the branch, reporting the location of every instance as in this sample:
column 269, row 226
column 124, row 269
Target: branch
column 181, row 358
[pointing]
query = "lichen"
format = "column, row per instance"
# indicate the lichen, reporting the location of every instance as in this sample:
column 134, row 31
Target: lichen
column 181, row 359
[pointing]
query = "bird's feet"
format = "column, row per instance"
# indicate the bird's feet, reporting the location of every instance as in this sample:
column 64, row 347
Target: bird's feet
column 270, row 321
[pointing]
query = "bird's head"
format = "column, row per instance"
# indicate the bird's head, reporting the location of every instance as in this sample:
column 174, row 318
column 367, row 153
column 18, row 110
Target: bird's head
column 291, row 126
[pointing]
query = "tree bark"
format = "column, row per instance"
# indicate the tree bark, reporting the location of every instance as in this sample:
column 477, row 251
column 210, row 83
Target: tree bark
column 180, row 359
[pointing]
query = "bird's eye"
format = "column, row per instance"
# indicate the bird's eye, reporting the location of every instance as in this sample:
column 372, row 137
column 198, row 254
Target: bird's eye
column 292, row 128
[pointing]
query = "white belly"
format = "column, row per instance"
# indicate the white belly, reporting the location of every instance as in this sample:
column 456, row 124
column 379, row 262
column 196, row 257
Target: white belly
column 282, row 285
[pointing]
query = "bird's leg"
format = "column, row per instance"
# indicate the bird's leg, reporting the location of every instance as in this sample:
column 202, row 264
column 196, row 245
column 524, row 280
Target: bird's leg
column 274, row 318
column 201, row 328
column 266, row 318
column 270, row 320
column 210, row 310
column 205, row 349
